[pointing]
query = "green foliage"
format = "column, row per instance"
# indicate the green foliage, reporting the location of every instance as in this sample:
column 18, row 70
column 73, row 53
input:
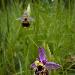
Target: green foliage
column 53, row 23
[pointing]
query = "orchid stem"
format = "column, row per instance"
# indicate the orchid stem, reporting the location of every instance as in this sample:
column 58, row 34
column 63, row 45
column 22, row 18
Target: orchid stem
column 33, row 42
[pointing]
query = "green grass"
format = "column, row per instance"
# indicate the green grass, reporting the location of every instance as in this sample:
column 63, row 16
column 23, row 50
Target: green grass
column 53, row 28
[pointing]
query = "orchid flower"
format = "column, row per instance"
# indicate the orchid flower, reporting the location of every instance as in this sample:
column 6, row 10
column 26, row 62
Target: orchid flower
column 41, row 65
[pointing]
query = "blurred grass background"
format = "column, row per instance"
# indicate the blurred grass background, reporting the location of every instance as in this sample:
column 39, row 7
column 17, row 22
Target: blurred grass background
column 53, row 29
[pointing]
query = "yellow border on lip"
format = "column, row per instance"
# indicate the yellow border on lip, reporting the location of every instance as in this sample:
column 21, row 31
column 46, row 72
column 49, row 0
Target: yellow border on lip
column 37, row 63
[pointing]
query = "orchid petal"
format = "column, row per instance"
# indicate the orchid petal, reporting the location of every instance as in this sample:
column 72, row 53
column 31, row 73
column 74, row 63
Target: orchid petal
column 30, row 19
column 21, row 19
column 52, row 65
column 42, row 56
column 33, row 65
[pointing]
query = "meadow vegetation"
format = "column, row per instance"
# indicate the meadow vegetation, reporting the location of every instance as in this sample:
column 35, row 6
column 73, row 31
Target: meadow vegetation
column 53, row 28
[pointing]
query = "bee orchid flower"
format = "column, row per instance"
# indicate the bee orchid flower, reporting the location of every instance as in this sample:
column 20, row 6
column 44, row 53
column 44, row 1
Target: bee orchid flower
column 41, row 65
column 26, row 18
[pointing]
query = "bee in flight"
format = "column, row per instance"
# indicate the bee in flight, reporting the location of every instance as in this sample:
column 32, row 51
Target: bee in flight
column 26, row 19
